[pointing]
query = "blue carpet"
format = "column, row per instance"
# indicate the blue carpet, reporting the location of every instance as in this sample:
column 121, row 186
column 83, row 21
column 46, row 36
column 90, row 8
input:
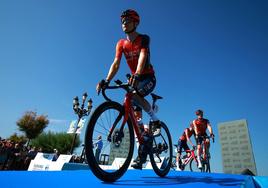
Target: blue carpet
column 261, row 181
column 133, row 178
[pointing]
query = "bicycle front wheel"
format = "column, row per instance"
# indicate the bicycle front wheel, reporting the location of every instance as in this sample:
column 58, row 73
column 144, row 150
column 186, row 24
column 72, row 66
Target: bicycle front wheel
column 161, row 155
column 206, row 165
column 109, row 160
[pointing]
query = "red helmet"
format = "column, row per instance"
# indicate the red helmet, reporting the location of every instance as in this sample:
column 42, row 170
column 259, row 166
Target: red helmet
column 132, row 14
column 199, row 113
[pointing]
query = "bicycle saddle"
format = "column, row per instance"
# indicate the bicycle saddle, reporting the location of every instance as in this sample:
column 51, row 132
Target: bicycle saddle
column 155, row 97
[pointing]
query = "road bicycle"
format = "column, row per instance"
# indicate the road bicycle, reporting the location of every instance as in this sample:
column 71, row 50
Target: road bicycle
column 191, row 158
column 118, row 127
column 188, row 158
column 205, row 155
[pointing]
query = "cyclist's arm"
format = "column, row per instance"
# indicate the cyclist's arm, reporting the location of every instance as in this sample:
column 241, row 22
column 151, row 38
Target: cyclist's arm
column 210, row 129
column 116, row 63
column 188, row 138
column 113, row 69
column 195, row 128
column 141, row 61
column 143, row 54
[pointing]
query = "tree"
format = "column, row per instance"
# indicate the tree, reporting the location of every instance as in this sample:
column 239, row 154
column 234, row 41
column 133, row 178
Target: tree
column 18, row 138
column 32, row 125
column 61, row 141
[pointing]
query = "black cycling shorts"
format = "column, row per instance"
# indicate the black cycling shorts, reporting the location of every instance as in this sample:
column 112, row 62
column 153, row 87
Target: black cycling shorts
column 182, row 144
column 145, row 86
column 199, row 138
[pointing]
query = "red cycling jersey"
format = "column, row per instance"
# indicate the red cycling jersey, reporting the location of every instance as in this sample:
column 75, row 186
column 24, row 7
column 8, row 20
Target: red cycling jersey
column 189, row 132
column 200, row 126
column 132, row 51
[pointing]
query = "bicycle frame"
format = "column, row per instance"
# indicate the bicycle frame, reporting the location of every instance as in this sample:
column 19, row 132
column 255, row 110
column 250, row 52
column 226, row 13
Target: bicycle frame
column 129, row 113
column 204, row 147
column 188, row 159
column 121, row 120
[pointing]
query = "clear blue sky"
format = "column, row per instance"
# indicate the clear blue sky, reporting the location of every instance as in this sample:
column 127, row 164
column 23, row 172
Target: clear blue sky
column 207, row 54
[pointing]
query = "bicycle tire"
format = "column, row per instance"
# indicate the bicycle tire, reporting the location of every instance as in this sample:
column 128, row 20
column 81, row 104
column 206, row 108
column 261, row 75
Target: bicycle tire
column 103, row 174
column 208, row 162
column 207, row 166
column 193, row 166
column 163, row 170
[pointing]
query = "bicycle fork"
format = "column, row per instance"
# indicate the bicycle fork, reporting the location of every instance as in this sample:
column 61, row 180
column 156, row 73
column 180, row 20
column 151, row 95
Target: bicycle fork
column 128, row 113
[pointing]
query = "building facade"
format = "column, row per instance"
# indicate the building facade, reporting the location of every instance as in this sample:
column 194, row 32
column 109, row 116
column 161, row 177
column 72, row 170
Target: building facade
column 122, row 150
column 236, row 148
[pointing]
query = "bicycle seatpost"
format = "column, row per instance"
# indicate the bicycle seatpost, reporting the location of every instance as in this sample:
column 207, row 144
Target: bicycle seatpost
column 153, row 104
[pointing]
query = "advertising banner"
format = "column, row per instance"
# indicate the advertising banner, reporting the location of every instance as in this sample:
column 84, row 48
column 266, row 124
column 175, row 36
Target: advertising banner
column 43, row 162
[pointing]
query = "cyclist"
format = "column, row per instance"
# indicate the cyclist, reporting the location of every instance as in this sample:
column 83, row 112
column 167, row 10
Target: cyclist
column 137, row 53
column 200, row 126
column 182, row 144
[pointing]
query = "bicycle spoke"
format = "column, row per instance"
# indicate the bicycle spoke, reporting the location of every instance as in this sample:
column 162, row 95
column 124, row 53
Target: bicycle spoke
column 107, row 120
column 103, row 127
column 109, row 159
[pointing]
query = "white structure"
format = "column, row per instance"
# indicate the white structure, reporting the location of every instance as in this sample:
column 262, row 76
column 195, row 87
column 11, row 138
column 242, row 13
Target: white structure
column 44, row 162
column 236, row 147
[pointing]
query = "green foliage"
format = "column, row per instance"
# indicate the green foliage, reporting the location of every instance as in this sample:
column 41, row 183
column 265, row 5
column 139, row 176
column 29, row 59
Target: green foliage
column 18, row 138
column 32, row 125
column 61, row 141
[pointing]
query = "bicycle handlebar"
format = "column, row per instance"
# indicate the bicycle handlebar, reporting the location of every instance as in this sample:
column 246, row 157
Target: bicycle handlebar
column 126, row 86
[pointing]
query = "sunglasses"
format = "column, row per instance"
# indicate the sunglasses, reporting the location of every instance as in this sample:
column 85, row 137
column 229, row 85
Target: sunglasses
column 126, row 20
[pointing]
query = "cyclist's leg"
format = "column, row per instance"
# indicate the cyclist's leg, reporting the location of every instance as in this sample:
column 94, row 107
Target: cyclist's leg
column 185, row 148
column 145, row 86
column 198, row 143
column 144, row 147
column 138, row 116
column 143, row 150
column 178, row 159
column 207, row 147
column 146, row 106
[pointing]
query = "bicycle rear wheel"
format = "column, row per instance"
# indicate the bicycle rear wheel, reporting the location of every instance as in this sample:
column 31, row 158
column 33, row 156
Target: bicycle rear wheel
column 194, row 166
column 112, row 161
column 161, row 155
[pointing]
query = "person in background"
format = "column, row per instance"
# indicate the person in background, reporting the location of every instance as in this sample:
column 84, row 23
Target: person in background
column 200, row 127
column 98, row 145
column 182, row 144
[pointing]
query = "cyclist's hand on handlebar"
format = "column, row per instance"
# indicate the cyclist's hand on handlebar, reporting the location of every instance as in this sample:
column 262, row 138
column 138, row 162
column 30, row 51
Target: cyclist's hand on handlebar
column 101, row 85
column 134, row 80
column 212, row 136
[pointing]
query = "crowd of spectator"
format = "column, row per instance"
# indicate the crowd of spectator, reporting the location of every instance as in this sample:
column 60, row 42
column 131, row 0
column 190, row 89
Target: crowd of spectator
column 15, row 155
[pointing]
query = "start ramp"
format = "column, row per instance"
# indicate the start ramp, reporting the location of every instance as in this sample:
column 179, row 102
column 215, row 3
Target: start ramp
column 132, row 178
